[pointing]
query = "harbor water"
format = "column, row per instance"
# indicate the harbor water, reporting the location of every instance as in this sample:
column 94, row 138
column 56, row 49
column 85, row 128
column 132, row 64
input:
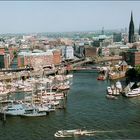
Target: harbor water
column 87, row 108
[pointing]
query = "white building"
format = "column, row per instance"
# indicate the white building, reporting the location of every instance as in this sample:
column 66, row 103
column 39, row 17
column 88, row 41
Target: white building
column 69, row 52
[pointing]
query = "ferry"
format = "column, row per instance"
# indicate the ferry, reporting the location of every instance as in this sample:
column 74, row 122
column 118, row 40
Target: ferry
column 72, row 133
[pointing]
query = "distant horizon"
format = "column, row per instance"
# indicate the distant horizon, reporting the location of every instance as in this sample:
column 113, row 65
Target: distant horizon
column 80, row 31
column 66, row 16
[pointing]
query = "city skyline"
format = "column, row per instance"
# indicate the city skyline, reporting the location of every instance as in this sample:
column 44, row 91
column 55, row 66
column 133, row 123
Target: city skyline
column 66, row 16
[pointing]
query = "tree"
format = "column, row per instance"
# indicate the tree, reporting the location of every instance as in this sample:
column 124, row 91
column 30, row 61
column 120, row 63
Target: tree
column 137, row 68
column 15, row 54
column 131, row 74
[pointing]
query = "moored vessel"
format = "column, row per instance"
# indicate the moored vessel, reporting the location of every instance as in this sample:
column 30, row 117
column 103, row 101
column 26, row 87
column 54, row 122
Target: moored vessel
column 133, row 93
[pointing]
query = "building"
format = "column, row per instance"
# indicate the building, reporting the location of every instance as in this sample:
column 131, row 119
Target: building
column 139, row 30
column 131, row 30
column 2, row 65
column 69, row 52
column 79, row 49
column 104, row 51
column 132, row 56
column 135, row 58
column 39, row 59
column 90, row 51
column 4, row 61
column 56, row 57
column 117, row 37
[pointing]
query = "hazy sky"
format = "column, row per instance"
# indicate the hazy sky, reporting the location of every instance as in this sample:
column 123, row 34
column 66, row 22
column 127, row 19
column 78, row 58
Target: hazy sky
column 57, row 16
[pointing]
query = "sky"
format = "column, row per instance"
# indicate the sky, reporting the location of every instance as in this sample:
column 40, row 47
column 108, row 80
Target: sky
column 63, row 16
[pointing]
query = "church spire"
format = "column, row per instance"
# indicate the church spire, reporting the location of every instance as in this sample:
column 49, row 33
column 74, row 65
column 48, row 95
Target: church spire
column 131, row 16
column 131, row 29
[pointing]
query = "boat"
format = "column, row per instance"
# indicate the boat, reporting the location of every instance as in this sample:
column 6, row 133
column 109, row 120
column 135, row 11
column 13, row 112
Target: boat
column 111, row 97
column 13, row 110
column 133, row 93
column 72, row 133
column 114, row 90
column 119, row 85
column 34, row 113
column 101, row 77
column 109, row 91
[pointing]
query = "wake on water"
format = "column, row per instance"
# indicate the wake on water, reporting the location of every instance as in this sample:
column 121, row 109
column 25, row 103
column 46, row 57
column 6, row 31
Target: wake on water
column 94, row 132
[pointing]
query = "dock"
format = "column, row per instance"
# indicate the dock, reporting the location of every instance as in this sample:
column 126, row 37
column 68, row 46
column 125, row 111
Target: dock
column 25, row 74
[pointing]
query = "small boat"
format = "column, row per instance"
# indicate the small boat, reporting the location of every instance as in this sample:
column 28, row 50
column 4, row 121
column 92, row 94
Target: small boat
column 113, row 90
column 133, row 93
column 109, row 90
column 72, row 133
column 111, row 97
column 101, row 77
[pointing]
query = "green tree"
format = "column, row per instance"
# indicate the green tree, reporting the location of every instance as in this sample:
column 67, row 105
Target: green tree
column 137, row 68
column 131, row 74
column 15, row 54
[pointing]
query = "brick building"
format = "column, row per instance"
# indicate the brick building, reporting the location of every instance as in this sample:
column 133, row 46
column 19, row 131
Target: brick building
column 134, row 58
column 39, row 59
column 90, row 51
column 56, row 57
column 4, row 61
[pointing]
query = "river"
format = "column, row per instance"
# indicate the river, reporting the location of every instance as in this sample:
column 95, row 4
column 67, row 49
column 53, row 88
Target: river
column 87, row 107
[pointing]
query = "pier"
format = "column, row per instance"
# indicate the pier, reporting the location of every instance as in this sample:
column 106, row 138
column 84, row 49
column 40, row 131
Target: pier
column 25, row 74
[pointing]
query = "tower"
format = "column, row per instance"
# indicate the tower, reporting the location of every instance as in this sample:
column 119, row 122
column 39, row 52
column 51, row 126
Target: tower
column 139, row 30
column 131, row 30
column 103, row 31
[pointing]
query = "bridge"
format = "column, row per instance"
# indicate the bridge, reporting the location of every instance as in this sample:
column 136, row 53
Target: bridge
column 95, row 60
column 80, row 62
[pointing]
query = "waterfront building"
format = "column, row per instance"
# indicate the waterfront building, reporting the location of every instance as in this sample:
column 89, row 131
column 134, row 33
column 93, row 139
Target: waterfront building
column 69, row 52
column 7, row 56
column 90, row 51
column 38, row 59
column 79, row 49
column 117, row 48
column 131, row 30
column 135, row 58
column 56, row 57
column 4, row 61
column 132, row 56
